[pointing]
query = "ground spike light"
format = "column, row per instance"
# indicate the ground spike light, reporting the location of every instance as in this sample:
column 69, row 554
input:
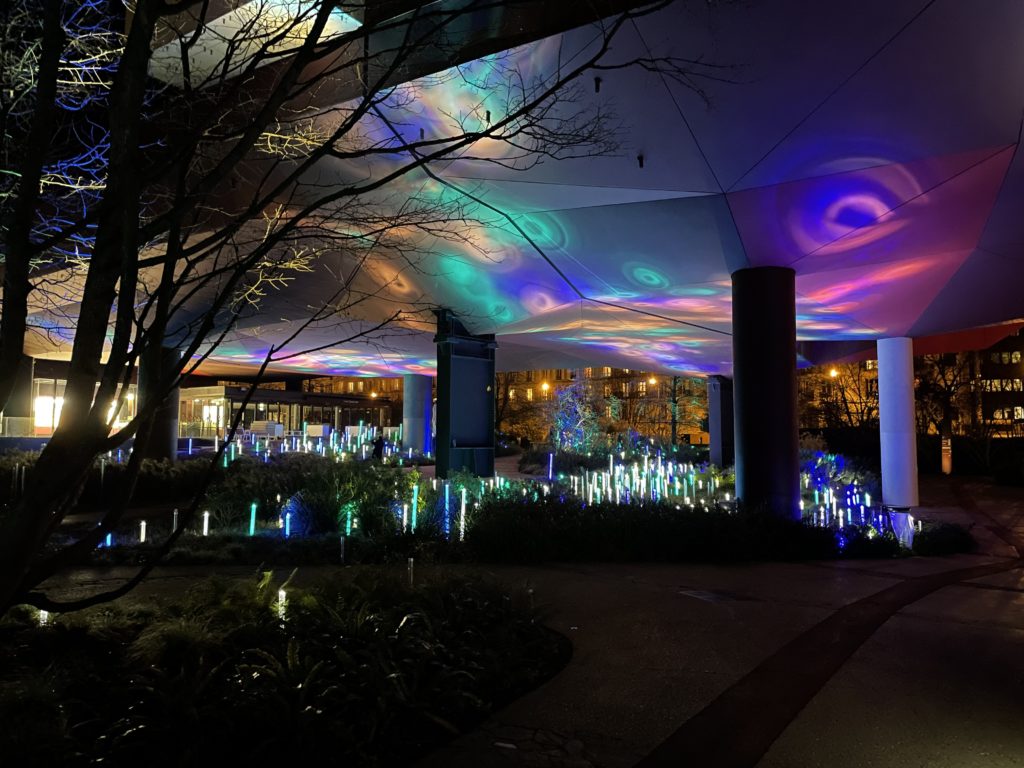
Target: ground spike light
column 415, row 504
column 206, row 523
column 447, row 513
column 142, row 532
column 462, row 517
column 252, row 519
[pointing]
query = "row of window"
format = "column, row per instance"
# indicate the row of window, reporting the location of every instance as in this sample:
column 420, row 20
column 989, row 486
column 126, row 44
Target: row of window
column 1005, row 414
column 641, row 389
column 1005, row 357
column 1001, row 385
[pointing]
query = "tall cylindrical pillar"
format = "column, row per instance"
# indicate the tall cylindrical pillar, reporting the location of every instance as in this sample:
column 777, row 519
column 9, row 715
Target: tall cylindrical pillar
column 417, row 407
column 897, row 425
column 764, row 389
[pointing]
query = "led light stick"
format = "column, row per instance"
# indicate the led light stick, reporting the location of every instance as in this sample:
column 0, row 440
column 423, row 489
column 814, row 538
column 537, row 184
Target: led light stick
column 415, row 506
column 252, row 519
column 206, row 523
column 447, row 514
column 462, row 516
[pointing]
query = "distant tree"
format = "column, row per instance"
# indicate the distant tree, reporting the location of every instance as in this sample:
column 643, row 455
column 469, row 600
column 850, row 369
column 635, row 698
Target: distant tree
column 944, row 395
column 517, row 414
column 839, row 395
column 574, row 421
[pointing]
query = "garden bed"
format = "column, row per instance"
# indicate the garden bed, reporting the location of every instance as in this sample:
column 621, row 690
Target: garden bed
column 369, row 672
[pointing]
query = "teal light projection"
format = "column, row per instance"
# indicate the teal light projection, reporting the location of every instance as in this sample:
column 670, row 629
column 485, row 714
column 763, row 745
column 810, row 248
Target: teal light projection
column 878, row 204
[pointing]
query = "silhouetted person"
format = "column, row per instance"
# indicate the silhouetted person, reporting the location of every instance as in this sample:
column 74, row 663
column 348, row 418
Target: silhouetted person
column 378, row 448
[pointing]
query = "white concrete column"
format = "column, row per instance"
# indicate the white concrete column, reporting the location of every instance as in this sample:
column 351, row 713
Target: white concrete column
column 417, row 409
column 896, row 422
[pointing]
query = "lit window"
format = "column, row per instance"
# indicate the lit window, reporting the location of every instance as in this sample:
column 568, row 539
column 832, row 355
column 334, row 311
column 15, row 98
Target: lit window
column 351, row 386
column 1015, row 357
column 1016, row 385
column 529, row 394
column 1018, row 412
column 607, row 371
column 870, row 364
column 511, row 394
column 607, row 390
column 641, row 388
column 1005, row 357
column 46, row 411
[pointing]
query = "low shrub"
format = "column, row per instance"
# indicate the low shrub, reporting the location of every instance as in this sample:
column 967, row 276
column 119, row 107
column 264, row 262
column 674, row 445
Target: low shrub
column 270, row 548
column 561, row 528
column 369, row 672
column 942, row 539
column 865, row 542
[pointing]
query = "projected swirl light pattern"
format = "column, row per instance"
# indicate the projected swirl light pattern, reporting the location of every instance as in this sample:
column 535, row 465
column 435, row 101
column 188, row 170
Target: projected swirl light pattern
column 884, row 174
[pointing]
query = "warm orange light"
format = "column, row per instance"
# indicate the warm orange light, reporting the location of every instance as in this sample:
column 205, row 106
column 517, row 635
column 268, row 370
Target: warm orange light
column 373, row 394
column 545, row 386
column 833, row 372
column 652, row 380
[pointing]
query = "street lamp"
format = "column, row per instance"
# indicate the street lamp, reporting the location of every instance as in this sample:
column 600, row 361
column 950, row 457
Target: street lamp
column 833, row 373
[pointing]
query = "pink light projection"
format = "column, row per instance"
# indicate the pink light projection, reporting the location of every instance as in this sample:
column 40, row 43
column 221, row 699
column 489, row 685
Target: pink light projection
column 883, row 299
column 873, row 214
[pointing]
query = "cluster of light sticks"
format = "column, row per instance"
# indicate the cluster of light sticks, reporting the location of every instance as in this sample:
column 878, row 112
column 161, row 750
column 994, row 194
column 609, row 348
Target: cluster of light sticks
column 826, row 501
column 354, row 441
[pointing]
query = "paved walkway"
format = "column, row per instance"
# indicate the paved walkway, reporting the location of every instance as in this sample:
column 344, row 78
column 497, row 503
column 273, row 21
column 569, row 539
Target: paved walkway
column 916, row 662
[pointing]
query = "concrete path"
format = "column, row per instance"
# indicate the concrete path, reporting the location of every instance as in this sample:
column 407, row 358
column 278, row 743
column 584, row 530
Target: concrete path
column 916, row 662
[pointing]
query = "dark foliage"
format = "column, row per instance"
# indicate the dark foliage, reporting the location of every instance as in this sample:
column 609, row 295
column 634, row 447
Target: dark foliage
column 366, row 673
column 943, row 539
column 563, row 529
